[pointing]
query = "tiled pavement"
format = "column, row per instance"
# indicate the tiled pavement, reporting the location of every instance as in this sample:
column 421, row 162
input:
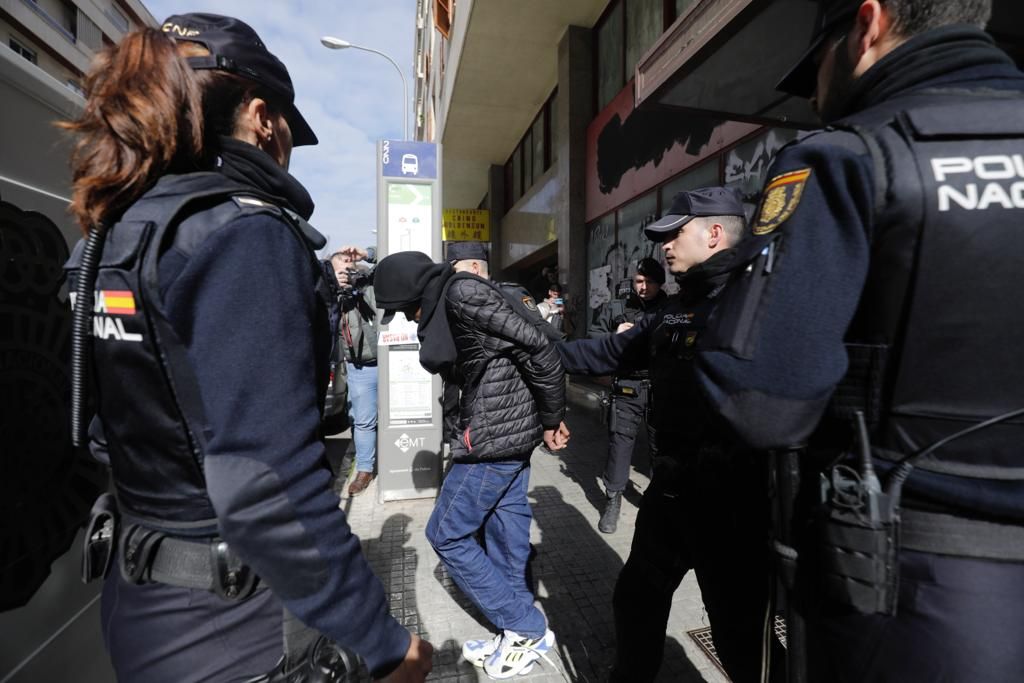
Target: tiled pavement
column 574, row 568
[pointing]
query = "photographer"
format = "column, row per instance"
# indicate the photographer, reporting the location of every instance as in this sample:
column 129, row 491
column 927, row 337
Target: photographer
column 357, row 348
column 552, row 308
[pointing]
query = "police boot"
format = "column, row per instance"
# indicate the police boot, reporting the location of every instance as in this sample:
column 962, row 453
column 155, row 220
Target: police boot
column 610, row 517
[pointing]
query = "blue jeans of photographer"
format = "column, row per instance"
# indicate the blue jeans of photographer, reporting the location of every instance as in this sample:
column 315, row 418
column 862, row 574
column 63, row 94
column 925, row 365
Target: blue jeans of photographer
column 489, row 496
column 362, row 397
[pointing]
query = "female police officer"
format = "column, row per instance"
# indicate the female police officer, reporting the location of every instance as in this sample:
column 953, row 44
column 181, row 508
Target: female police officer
column 208, row 350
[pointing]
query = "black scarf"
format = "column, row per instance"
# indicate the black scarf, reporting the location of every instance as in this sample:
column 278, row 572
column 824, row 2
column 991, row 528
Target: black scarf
column 706, row 277
column 410, row 278
column 253, row 167
column 944, row 56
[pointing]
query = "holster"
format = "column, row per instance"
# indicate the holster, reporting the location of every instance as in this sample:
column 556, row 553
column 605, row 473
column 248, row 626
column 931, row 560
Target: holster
column 620, row 419
column 856, row 533
column 232, row 579
column 322, row 662
column 100, row 541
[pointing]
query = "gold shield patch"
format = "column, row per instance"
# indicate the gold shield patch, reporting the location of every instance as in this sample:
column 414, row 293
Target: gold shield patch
column 781, row 197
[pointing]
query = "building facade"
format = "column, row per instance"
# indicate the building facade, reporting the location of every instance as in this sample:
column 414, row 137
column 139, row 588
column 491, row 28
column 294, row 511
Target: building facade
column 48, row 617
column 576, row 122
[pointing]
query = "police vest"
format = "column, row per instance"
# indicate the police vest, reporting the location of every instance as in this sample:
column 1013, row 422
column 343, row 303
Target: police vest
column 145, row 393
column 678, row 412
column 947, row 252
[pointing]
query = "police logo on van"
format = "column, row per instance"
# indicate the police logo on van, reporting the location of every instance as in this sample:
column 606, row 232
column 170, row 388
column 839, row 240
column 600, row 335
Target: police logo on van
column 780, row 199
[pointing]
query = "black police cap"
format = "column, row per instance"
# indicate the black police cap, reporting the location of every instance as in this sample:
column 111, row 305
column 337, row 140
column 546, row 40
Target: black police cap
column 236, row 48
column 461, row 251
column 706, row 201
column 802, row 78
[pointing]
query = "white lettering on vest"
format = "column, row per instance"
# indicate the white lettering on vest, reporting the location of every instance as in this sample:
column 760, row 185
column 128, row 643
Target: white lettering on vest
column 991, row 195
column 106, row 327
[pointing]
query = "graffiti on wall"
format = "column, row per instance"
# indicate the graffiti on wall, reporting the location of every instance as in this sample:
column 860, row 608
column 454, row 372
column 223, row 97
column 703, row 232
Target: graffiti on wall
column 46, row 486
column 616, row 243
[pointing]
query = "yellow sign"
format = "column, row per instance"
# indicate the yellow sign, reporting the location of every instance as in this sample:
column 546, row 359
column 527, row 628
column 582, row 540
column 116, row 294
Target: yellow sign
column 466, row 225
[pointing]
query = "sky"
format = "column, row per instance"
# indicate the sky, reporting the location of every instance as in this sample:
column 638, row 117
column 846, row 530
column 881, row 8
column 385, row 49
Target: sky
column 350, row 98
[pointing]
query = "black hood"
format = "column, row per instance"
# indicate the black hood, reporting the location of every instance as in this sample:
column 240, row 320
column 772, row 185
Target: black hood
column 410, row 278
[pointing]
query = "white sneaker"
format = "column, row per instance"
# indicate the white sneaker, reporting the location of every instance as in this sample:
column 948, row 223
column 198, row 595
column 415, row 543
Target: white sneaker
column 476, row 652
column 516, row 654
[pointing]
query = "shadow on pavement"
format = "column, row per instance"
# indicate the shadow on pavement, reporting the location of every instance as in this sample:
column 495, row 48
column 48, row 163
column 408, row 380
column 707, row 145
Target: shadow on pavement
column 575, row 571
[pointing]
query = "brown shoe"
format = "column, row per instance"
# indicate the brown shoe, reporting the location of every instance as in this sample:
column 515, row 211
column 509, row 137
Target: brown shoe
column 360, row 483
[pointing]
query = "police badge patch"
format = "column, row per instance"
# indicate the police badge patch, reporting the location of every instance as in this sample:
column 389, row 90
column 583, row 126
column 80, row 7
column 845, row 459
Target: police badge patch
column 780, row 200
column 529, row 302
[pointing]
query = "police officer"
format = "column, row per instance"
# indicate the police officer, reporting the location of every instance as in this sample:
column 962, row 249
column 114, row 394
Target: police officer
column 898, row 230
column 629, row 394
column 210, row 340
column 706, row 506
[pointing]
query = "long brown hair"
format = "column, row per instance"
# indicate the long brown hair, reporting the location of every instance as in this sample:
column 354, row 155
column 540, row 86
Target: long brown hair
column 147, row 113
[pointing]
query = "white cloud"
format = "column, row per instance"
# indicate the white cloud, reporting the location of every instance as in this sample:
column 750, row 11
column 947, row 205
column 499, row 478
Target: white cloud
column 350, row 98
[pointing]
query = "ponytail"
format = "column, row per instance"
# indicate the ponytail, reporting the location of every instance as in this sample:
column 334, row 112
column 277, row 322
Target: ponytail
column 143, row 118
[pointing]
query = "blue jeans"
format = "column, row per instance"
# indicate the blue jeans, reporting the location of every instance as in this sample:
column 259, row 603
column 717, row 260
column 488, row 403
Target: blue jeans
column 489, row 496
column 362, row 399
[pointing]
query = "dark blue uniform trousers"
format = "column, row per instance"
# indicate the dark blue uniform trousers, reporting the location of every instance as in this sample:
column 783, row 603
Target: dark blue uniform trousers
column 959, row 620
column 709, row 514
column 159, row 633
column 626, row 416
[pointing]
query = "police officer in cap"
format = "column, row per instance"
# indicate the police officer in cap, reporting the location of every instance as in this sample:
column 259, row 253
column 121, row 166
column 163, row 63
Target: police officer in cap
column 469, row 257
column 630, row 391
column 897, row 230
column 706, row 506
column 208, row 314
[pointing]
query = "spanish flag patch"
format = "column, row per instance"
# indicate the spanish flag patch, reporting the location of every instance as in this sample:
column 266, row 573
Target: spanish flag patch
column 117, row 301
column 780, row 199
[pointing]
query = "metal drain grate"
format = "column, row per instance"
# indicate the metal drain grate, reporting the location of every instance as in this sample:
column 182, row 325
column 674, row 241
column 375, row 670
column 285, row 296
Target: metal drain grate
column 702, row 636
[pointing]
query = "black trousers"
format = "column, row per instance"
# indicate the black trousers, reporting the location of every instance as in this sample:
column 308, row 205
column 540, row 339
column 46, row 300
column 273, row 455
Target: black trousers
column 709, row 514
column 959, row 620
column 158, row 633
column 624, row 421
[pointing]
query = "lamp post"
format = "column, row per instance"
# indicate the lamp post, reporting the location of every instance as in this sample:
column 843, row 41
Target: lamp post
column 338, row 44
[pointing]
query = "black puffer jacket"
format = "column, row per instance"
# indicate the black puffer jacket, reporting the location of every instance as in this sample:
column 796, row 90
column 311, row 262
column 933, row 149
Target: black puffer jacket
column 510, row 376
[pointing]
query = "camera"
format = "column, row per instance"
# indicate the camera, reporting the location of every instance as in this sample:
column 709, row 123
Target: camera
column 358, row 280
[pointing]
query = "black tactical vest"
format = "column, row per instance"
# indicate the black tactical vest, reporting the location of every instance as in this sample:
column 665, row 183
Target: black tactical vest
column 146, row 395
column 678, row 413
column 942, row 292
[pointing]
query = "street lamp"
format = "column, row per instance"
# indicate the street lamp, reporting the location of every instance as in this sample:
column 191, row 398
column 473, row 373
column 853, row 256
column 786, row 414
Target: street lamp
column 338, row 44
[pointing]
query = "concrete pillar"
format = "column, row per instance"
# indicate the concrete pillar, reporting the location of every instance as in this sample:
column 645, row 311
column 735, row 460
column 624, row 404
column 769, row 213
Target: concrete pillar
column 574, row 110
column 496, row 205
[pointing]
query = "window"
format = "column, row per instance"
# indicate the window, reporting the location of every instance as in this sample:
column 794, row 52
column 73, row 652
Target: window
column 517, row 174
column 539, row 158
column 443, row 16
column 609, row 57
column 118, row 19
column 527, row 146
column 72, row 85
column 25, row 52
column 644, row 24
column 89, row 33
column 553, row 129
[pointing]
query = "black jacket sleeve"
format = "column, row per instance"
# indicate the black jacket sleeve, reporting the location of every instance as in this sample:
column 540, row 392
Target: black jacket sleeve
column 775, row 395
column 608, row 354
column 480, row 305
column 245, row 308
